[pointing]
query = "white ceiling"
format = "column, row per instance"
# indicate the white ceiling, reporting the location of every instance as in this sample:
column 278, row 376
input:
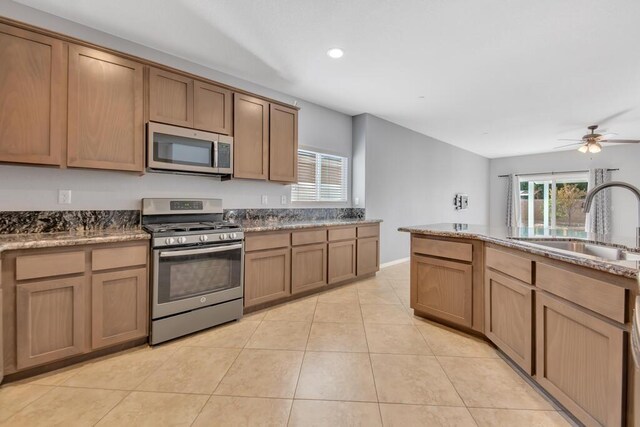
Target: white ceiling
column 499, row 78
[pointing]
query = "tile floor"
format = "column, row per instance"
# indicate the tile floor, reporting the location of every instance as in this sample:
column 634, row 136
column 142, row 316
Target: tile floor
column 353, row 356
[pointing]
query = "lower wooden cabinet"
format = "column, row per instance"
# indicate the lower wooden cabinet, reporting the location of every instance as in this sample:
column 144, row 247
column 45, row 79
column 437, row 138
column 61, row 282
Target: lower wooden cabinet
column 342, row 261
column 580, row 361
column 508, row 317
column 308, row 267
column 442, row 288
column 119, row 307
column 368, row 255
column 267, row 276
column 50, row 320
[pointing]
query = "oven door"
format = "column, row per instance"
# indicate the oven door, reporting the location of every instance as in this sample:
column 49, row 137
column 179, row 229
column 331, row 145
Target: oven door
column 189, row 278
column 179, row 149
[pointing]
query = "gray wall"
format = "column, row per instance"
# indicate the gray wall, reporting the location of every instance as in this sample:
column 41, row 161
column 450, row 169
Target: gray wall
column 35, row 188
column 626, row 158
column 412, row 179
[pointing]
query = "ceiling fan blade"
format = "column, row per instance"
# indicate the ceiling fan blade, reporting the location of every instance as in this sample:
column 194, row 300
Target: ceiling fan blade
column 620, row 141
column 607, row 135
column 569, row 139
column 569, row 145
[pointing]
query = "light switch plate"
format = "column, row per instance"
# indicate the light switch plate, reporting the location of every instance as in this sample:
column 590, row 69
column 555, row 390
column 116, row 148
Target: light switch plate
column 265, row 199
column 64, row 197
column 283, row 199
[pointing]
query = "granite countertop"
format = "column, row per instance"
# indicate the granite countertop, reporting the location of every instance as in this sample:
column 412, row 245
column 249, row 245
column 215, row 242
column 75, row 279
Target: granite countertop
column 517, row 238
column 251, row 226
column 70, row 238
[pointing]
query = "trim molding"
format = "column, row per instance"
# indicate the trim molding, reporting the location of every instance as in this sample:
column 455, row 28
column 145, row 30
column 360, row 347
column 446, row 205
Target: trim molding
column 394, row 262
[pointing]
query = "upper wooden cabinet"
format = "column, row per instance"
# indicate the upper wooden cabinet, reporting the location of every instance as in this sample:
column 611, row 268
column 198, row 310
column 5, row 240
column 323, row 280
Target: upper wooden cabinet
column 33, row 87
column 283, row 144
column 105, row 124
column 212, row 108
column 251, row 137
column 170, row 98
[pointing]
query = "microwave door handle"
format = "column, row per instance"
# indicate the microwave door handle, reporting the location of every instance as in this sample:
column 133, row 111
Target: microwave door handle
column 215, row 154
column 200, row 251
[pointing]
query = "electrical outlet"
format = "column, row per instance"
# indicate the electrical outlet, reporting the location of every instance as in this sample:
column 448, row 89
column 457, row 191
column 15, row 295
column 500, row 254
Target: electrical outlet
column 283, row 199
column 64, row 197
column 357, row 201
column 265, row 199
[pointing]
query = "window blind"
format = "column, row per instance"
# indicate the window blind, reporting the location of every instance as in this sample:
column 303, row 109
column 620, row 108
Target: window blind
column 321, row 178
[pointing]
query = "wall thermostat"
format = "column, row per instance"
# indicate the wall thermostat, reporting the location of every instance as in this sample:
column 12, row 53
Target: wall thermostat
column 461, row 201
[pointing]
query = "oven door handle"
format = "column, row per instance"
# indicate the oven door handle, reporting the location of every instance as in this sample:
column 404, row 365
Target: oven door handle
column 200, row 251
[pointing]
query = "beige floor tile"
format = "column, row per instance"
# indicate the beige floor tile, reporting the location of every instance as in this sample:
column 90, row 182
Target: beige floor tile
column 319, row 413
column 256, row 316
column 375, row 283
column 346, row 337
column 280, row 335
column 412, row 379
column 227, row 411
column 155, row 409
column 514, row 417
column 345, row 295
column 336, row 376
column 420, row 415
column 398, row 339
column 445, row 341
column 378, row 296
column 385, row 313
column 491, row 383
column 262, row 373
column 297, row 311
column 191, row 370
column 58, row 376
column 400, row 285
column 65, row 406
column 14, row 397
column 234, row 335
column 338, row 313
column 121, row 371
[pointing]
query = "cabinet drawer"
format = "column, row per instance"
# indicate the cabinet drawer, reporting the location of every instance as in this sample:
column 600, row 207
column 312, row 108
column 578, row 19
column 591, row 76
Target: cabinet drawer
column 368, row 231
column 603, row 298
column 308, row 237
column 342, row 233
column 128, row 256
column 442, row 248
column 48, row 265
column 258, row 242
column 512, row 265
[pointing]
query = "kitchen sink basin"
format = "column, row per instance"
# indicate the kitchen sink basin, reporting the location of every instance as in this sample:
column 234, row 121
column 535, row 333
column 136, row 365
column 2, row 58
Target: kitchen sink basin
column 591, row 249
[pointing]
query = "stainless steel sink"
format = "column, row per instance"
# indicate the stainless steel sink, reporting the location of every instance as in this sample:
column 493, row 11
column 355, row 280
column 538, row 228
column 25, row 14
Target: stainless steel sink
column 600, row 251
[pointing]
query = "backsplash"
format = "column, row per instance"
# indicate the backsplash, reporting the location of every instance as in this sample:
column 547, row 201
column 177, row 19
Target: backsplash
column 12, row 222
column 300, row 214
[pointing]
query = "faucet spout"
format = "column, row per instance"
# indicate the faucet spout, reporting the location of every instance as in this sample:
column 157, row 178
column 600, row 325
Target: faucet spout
column 588, row 201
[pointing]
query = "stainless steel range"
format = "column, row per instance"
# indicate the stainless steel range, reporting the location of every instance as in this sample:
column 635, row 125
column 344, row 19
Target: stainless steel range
column 197, row 267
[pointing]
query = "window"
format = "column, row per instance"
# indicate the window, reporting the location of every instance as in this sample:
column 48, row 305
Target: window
column 553, row 200
column 321, row 178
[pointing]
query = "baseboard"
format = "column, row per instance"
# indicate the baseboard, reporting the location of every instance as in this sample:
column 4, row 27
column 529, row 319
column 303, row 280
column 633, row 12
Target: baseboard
column 394, row 262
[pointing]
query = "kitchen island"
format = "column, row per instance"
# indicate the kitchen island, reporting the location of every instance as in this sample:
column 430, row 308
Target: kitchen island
column 564, row 317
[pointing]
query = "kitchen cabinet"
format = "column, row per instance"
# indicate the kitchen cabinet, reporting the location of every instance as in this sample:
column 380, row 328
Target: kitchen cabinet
column 251, row 137
column 170, row 98
column 308, row 267
column 50, row 320
column 580, row 361
column 368, row 256
column 33, row 95
column 342, row 261
column 267, row 275
column 119, row 306
column 283, row 144
column 509, row 317
column 212, row 108
column 104, row 90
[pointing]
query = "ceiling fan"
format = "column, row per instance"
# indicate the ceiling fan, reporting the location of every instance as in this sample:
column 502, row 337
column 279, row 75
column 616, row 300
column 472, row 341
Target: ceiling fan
column 592, row 142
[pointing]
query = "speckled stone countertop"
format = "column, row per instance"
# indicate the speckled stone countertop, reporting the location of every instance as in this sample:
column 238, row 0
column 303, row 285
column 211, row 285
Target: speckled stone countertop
column 71, row 238
column 251, row 226
column 524, row 239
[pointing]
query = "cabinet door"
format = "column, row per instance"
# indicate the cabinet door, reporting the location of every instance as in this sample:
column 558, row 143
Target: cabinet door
column 250, row 137
column 309, row 267
column 342, row 261
column 170, row 98
column 267, row 276
column 283, row 144
column 105, row 125
column 368, row 255
column 33, row 88
column 50, row 320
column 118, row 307
column 442, row 288
column 508, row 317
column 211, row 108
column 579, row 361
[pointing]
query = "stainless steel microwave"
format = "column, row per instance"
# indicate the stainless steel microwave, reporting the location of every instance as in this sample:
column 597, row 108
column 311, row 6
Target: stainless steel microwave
column 172, row 148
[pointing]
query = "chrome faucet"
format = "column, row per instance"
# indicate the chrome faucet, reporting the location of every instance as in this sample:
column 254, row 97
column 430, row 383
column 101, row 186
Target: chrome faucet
column 588, row 201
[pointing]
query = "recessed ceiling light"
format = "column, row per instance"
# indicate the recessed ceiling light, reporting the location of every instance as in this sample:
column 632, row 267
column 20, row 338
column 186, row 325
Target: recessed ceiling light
column 335, row 53
column 421, row 97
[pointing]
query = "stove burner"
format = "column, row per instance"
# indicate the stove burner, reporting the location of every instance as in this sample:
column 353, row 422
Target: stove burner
column 190, row 226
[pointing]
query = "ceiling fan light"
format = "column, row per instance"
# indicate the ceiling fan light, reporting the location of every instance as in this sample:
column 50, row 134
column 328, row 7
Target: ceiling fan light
column 595, row 148
column 583, row 148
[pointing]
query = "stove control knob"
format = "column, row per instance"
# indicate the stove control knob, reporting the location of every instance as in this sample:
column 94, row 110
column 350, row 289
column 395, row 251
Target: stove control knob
column 169, row 240
column 204, row 238
column 221, row 236
column 233, row 235
column 182, row 239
